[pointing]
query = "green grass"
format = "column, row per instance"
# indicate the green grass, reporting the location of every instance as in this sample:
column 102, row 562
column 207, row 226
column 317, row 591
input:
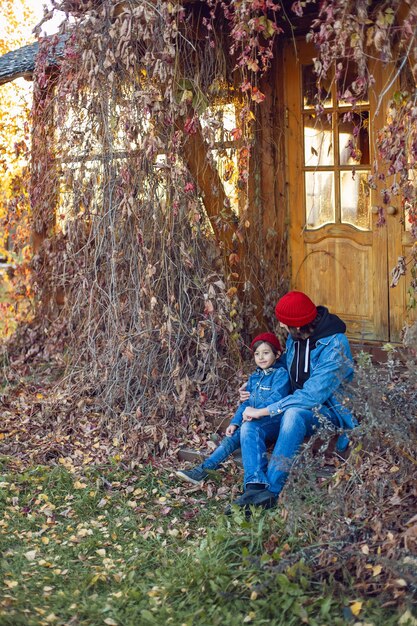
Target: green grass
column 131, row 549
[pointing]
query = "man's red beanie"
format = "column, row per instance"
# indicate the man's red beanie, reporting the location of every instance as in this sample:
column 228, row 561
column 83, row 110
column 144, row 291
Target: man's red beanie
column 268, row 338
column 295, row 309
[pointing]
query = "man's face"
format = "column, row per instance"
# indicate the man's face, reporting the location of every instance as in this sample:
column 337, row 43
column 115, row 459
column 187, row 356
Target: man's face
column 294, row 331
column 264, row 356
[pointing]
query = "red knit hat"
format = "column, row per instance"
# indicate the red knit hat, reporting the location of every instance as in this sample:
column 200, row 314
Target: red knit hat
column 295, row 309
column 268, row 338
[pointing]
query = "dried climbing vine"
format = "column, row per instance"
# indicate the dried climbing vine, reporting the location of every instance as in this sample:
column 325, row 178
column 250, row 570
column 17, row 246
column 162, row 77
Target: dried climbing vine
column 140, row 233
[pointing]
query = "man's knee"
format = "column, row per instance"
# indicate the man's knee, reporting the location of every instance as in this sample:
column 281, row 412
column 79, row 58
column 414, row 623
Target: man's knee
column 293, row 418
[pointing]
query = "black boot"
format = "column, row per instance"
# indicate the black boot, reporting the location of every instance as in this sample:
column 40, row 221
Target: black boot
column 250, row 491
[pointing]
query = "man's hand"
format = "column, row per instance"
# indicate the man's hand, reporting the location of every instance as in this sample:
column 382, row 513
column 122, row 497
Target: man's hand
column 231, row 429
column 250, row 414
column 243, row 394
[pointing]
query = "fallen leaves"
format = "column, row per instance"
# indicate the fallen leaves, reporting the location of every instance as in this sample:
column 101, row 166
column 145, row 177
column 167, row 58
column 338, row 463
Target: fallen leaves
column 30, row 555
column 356, row 607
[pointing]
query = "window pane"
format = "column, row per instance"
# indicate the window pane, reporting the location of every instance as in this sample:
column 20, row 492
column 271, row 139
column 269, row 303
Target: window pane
column 318, row 141
column 310, row 90
column 355, row 199
column 319, row 190
column 354, row 138
column 409, row 195
column 349, row 86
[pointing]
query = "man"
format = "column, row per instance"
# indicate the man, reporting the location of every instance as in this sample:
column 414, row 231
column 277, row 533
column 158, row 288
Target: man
column 319, row 362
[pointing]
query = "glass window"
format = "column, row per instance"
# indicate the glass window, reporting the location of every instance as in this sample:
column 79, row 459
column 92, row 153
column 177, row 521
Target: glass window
column 410, row 210
column 355, row 199
column 349, row 85
column 320, row 205
column 311, row 90
column 336, row 153
column 354, row 138
column 318, row 141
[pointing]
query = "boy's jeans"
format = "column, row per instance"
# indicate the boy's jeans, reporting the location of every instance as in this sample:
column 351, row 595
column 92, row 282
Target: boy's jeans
column 224, row 450
column 289, row 431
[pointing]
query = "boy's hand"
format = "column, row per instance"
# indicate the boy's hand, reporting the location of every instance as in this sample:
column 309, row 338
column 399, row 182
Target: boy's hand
column 232, row 428
column 243, row 394
column 250, row 414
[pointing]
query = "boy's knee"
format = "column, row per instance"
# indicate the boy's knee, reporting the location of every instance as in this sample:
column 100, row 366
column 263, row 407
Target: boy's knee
column 229, row 444
column 247, row 429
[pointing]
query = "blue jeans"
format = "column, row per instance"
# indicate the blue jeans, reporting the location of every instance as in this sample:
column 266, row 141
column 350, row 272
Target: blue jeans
column 224, row 450
column 288, row 431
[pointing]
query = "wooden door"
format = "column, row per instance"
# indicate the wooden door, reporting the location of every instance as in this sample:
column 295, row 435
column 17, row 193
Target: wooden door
column 340, row 253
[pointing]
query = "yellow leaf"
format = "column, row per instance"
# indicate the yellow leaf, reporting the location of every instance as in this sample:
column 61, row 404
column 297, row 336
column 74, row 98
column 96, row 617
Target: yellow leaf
column 365, row 549
column 407, row 619
column 101, row 552
column 79, row 485
column 253, row 595
column 45, row 540
column 30, row 555
column 110, row 622
column 356, row 607
column 11, row 584
column 376, row 570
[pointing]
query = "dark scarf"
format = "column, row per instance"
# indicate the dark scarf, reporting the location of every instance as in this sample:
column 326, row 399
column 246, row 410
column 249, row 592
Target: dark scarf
column 329, row 324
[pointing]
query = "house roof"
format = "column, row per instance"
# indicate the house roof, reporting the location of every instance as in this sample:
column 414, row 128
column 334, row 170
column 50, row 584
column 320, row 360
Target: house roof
column 21, row 62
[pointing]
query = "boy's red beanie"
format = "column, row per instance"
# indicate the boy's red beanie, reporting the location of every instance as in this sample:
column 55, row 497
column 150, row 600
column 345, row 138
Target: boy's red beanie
column 268, row 338
column 295, row 309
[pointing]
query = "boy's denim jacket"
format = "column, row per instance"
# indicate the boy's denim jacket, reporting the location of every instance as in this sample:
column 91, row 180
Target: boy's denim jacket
column 331, row 365
column 265, row 387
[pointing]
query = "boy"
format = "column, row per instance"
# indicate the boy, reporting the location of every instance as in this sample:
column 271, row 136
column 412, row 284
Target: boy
column 268, row 384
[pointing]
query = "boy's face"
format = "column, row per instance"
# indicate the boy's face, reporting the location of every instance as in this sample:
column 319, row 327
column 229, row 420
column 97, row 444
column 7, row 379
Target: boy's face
column 264, row 356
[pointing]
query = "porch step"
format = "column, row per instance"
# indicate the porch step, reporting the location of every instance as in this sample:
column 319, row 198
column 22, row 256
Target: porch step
column 196, row 457
column 378, row 355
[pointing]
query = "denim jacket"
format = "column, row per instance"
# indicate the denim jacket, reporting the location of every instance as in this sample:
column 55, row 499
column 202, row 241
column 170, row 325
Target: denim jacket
column 265, row 387
column 331, row 365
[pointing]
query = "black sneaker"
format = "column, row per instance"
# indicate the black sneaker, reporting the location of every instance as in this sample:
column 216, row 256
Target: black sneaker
column 265, row 499
column 196, row 475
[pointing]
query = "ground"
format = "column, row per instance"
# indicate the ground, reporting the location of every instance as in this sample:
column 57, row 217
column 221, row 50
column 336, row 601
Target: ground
column 90, row 535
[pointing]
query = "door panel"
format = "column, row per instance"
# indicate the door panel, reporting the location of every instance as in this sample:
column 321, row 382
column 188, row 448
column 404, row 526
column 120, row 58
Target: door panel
column 334, row 271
